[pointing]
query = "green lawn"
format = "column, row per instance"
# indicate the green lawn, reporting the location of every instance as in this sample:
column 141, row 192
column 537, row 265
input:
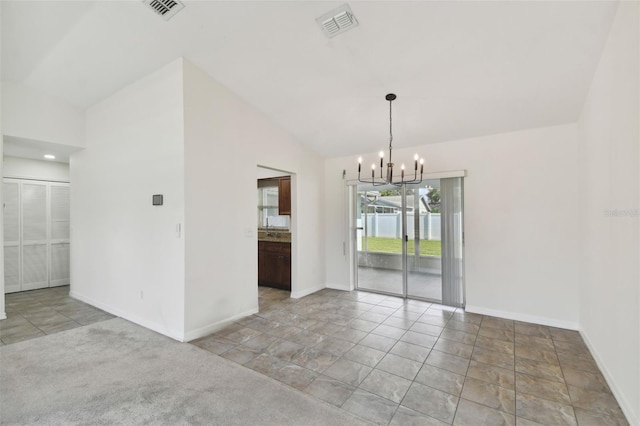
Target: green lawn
column 394, row 245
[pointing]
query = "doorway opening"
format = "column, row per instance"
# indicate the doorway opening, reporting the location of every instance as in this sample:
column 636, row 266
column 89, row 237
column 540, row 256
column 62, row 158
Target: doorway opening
column 35, row 215
column 274, row 229
column 409, row 240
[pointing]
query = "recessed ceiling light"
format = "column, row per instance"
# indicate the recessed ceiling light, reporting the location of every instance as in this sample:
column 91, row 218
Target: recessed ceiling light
column 50, row 157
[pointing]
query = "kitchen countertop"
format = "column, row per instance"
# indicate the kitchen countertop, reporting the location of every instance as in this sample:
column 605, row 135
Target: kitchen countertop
column 274, row 235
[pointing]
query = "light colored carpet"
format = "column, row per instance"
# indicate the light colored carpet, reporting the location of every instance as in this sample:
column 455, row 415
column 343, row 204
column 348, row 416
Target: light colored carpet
column 115, row 372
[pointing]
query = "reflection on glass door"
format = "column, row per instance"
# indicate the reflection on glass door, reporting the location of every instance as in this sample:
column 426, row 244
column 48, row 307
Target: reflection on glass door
column 409, row 240
column 424, row 267
column 379, row 239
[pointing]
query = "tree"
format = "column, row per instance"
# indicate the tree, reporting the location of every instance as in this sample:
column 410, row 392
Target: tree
column 434, row 200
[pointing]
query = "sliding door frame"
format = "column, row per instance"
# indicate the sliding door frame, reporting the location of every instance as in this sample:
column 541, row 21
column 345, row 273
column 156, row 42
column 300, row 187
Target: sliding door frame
column 352, row 202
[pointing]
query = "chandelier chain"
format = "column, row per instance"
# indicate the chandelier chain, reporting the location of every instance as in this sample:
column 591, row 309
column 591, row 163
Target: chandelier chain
column 390, row 128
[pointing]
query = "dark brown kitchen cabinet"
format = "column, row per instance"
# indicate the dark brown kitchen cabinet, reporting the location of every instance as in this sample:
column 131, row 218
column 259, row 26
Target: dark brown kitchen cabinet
column 274, row 264
column 284, row 196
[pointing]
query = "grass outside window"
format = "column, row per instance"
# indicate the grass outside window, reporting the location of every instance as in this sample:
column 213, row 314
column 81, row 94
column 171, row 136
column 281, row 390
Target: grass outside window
column 394, row 245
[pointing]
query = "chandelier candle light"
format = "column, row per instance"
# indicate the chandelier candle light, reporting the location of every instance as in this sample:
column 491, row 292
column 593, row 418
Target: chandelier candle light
column 388, row 180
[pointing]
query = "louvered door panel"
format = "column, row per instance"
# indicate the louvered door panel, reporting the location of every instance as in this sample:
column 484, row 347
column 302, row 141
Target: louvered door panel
column 34, row 236
column 59, row 264
column 11, row 196
column 59, row 212
column 34, row 212
column 12, row 269
column 34, row 266
column 59, row 222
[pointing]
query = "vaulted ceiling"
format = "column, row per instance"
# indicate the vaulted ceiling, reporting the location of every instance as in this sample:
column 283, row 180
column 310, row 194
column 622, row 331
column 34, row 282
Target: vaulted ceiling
column 460, row 68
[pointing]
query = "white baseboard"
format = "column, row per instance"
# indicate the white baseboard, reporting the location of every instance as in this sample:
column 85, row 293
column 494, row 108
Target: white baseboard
column 625, row 405
column 158, row 328
column 219, row 325
column 522, row 317
column 3, row 315
column 303, row 293
column 343, row 287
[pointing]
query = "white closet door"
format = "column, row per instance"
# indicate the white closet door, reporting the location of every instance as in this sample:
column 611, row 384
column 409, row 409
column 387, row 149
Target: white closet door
column 11, row 195
column 59, row 225
column 34, row 236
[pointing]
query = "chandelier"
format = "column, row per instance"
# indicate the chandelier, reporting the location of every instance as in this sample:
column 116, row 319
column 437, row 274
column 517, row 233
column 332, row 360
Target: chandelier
column 389, row 178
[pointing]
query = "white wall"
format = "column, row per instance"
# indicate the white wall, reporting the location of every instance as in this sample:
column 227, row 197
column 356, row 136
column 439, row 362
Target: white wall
column 263, row 173
column 3, row 314
column 609, row 155
column 30, row 114
column 126, row 256
column 225, row 139
column 26, row 168
column 520, row 221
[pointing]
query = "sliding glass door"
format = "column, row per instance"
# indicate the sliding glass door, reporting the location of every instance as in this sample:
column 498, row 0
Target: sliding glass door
column 379, row 239
column 409, row 240
column 424, row 271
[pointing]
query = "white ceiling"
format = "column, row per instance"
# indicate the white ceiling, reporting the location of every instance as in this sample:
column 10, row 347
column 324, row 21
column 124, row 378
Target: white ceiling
column 36, row 150
column 460, row 68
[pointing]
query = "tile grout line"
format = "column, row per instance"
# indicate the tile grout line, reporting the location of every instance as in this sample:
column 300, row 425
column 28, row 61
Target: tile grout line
column 573, row 408
column 515, row 375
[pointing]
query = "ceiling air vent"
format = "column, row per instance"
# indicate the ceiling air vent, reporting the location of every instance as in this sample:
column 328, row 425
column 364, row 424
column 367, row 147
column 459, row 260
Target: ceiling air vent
column 337, row 21
column 165, row 8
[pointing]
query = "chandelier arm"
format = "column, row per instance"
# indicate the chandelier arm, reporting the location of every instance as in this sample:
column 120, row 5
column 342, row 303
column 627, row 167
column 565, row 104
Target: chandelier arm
column 375, row 182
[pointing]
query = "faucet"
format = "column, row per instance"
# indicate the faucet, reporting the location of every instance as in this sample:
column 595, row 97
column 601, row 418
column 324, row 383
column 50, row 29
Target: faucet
column 267, row 221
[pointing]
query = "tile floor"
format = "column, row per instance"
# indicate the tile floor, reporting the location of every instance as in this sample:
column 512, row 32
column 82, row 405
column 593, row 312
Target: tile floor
column 35, row 313
column 399, row 362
